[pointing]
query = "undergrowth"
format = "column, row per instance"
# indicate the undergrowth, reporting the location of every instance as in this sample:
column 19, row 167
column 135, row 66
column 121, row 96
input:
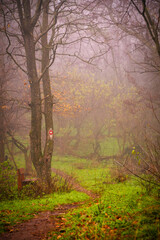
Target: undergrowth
column 123, row 212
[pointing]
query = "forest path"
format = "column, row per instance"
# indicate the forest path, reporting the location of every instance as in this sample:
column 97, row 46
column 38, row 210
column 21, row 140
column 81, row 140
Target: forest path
column 75, row 185
column 44, row 222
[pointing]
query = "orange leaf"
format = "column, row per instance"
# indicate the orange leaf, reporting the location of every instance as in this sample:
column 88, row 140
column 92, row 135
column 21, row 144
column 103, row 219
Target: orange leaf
column 106, row 226
column 4, row 107
column 135, row 222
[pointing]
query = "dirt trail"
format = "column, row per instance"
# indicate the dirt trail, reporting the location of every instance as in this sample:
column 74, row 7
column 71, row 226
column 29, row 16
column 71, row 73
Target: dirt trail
column 44, row 222
column 38, row 227
column 74, row 183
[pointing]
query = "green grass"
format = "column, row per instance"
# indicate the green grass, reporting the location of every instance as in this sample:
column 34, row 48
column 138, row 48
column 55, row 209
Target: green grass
column 93, row 179
column 123, row 212
column 109, row 147
column 12, row 212
column 90, row 174
column 64, row 163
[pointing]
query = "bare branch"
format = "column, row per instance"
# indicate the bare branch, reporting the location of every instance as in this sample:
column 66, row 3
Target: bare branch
column 9, row 44
column 50, row 64
column 19, row 5
column 37, row 13
column 136, row 175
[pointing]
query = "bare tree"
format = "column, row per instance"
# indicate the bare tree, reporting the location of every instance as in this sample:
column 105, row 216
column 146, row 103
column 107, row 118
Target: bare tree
column 139, row 21
column 35, row 31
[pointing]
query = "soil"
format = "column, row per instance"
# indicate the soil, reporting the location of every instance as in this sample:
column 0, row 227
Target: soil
column 45, row 222
column 75, row 185
column 38, row 227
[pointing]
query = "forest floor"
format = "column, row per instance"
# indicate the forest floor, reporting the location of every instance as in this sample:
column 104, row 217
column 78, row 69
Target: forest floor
column 44, row 222
column 121, row 210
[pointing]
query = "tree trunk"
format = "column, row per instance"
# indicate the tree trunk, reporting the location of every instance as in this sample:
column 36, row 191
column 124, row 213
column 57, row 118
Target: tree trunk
column 48, row 102
column 11, row 153
column 28, row 163
column 2, row 132
column 28, row 23
column 24, row 149
column 42, row 162
column 36, row 113
column 2, row 105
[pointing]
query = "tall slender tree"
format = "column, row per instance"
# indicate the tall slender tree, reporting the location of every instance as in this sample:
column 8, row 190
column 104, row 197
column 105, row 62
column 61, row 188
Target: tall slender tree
column 35, row 30
column 2, row 109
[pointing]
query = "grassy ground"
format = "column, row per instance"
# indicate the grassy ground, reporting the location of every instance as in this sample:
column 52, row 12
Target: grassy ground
column 16, row 211
column 90, row 174
column 124, row 210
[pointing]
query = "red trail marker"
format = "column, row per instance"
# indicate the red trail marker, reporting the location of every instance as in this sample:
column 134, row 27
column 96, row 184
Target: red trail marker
column 50, row 133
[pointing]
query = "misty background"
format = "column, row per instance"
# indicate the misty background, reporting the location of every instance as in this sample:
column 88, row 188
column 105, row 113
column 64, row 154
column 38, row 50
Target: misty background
column 104, row 73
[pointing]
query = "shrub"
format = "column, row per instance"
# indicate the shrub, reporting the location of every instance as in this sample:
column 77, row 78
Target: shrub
column 9, row 189
column 118, row 174
column 8, row 181
column 149, row 184
column 39, row 189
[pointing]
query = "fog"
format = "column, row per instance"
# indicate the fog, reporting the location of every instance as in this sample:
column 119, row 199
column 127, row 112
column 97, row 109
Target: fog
column 96, row 63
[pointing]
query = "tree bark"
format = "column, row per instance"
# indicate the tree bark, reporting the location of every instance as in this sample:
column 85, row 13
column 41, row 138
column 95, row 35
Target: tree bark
column 28, row 163
column 2, row 105
column 48, row 101
column 24, row 149
column 36, row 113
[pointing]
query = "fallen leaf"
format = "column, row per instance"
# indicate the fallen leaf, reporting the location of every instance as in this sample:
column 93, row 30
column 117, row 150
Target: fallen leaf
column 135, row 222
